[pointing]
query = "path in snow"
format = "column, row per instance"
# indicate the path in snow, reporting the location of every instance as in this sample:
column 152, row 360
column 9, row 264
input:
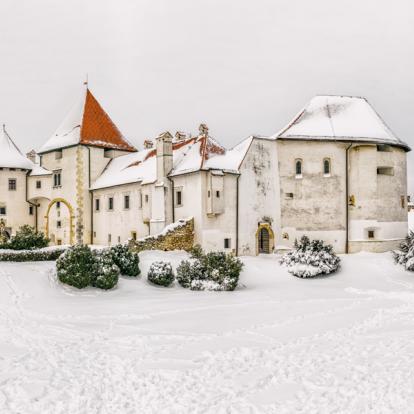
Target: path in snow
column 340, row 344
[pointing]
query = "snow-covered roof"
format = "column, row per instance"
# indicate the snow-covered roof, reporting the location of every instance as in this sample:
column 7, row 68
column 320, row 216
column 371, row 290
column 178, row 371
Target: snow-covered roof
column 339, row 118
column 10, row 155
column 37, row 170
column 87, row 123
column 189, row 155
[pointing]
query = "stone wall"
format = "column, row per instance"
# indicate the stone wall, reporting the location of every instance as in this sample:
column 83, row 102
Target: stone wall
column 176, row 236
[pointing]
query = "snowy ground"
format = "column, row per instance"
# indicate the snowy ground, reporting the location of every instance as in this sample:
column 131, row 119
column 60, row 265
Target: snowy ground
column 339, row 344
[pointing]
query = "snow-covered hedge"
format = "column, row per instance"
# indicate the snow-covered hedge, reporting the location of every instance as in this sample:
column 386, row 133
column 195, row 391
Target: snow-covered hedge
column 161, row 273
column 26, row 238
column 212, row 271
column 310, row 258
column 37, row 255
column 405, row 256
column 105, row 273
column 75, row 266
column 125, row 259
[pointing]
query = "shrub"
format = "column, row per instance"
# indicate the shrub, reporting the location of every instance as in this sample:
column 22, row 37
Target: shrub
column 26, row 238
column 37, row 255
column 75, row 266
column 310, row 258
column 105, row 273
column 161, row 273
column 126, row 260
column 405, row 256
column 211, row 271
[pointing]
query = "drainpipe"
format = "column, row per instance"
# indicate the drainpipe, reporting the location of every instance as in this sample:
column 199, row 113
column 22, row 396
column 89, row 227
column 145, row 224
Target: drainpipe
column 347, row 199
column 172, row 198
column 237, row 215
column 90, row 192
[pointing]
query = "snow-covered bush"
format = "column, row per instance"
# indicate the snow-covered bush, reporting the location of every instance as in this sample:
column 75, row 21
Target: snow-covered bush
column 105, row 273
column 125, row 259
column 310, row 258
column 75, row 266
column 161, row 273
column 26, row 238
column 405, row 256
column 37, row 255
column 211, row 271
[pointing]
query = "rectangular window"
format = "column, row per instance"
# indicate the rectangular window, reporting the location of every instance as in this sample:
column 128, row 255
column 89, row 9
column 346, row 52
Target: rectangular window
column 31, row 210
column 384, row 148
column 134, row 235
column 12, row 184
column 58, row 205
column 140, row 199
column 59, row 242
column 208, row 193
column 402, row 201
column 146, row 198
column 179, row 198
column 126, row 202
column 371, row 234
column 227, row 243
column 218, row 194
column 59, row 224
column 57, row 178
column 97, row 204
column 38, row 184
column 109, row 238
column 385, row 171
column 2, row 210
column 94, row 234
column 110, row 203
column 119, row 239
column 289, row 196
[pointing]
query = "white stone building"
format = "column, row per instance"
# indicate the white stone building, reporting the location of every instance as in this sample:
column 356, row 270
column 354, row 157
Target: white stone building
column 336, row 172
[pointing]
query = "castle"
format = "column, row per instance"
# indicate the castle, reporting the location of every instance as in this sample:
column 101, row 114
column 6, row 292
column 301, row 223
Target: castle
column 336, row 172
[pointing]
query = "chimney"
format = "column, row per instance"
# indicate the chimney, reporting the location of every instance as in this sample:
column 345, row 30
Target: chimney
column 31, row 156
column 148, row 144
column 164, row 155
column 180, row 136
column 203, row 129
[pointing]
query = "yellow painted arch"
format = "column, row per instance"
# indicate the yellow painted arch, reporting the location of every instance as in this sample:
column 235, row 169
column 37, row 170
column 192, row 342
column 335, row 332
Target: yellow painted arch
column 71, row 217
column 268, row 227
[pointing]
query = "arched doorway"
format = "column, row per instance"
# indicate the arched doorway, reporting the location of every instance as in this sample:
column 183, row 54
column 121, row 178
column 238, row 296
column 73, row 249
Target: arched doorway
column 264, row 239
column 62, row 226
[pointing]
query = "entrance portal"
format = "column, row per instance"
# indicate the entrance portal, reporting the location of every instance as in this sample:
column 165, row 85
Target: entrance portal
column 264, row 245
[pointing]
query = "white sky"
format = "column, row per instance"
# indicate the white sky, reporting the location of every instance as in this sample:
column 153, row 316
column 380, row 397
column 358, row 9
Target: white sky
column 241, row 66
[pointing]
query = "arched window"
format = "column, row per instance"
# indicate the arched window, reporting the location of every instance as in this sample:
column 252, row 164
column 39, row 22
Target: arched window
column 298, row 167
column 326, row 166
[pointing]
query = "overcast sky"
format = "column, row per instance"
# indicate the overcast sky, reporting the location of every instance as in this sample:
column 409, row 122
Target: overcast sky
column 242, row 66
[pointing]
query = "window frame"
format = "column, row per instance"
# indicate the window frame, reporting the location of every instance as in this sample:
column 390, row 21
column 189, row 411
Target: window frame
column 327, row 162
column 298, row 161
column 12, row 184
column 111, row 203
column 127, row 202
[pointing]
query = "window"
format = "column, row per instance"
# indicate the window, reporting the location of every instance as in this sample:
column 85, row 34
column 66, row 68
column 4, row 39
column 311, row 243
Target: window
column 59, row 242
column 58, row 205
column 38, row 184
column 2, row 210
column 109, row 238
column 110, row 203
column 371, row 234
column 31, row 210
column 126, row 202
column 227, row 243
column 97, row 204
column 326, row 167
column 385, row 171
column 12, row 184
column 59, row 224
column 208, row 193
column 146, row 198
column 134, row 235
column 383, row 148
column 119, row 239
column 298, row 168
column 179, row 198
column 57, row 178
column 289, row 196
column 218, row 194
column 94, row 234
column 402, row 201
column 140, row 199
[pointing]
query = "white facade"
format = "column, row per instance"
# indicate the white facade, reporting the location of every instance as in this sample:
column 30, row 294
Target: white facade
column 336, row 173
